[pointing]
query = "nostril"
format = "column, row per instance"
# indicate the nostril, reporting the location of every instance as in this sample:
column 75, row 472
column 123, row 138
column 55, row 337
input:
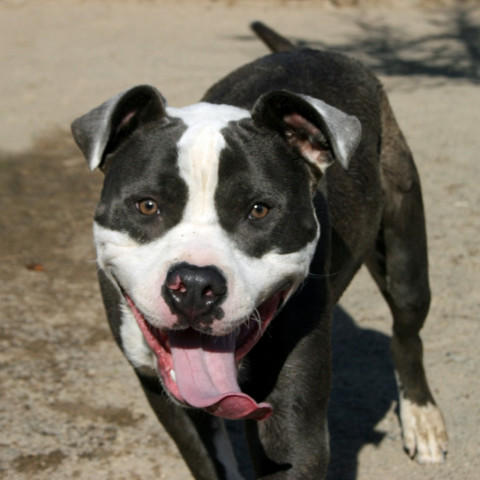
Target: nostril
column 177, row 286
column 212, row 292
column 217, row 287
column 208, row 293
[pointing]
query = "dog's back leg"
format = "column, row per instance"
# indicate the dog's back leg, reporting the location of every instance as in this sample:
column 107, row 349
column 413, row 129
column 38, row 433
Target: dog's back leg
column 399, row 266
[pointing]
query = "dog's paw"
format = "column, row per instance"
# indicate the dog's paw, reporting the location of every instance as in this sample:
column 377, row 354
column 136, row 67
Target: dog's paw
column 424, row 433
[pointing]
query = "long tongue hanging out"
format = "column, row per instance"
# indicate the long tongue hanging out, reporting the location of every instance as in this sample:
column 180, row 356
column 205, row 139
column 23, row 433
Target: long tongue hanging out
column 206, row 376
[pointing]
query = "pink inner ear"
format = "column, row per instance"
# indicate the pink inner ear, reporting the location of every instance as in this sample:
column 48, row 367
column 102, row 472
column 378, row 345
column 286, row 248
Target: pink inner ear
column 126, row 119
column 301, row 135
column 299, row 123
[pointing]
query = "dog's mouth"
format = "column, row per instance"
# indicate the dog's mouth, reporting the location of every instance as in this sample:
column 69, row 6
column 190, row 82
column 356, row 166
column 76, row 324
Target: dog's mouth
column 200, row 370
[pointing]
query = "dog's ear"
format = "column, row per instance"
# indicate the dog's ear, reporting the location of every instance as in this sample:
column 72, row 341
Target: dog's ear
column 101, row 131
column 320, row 132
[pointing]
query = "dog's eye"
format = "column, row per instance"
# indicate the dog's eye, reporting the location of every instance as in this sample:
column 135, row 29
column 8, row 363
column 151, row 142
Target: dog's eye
column 147, row 207
column 258, row 212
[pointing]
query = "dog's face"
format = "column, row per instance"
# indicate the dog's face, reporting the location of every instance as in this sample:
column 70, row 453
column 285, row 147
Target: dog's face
column 206, row 227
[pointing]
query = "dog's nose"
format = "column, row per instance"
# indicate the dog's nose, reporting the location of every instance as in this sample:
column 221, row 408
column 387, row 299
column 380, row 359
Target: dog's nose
column 194, row 292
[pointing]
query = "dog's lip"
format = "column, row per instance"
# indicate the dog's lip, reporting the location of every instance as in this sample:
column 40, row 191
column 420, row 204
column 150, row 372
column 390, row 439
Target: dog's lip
column 157, row 340
column 241, row 340
column 248, row 333
column 253, row 329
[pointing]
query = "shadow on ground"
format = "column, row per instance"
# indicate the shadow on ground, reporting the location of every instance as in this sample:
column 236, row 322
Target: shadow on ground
column 363, row 392
column 452, row 52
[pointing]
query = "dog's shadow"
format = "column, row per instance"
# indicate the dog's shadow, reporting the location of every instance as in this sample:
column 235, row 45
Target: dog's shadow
column 363, row 391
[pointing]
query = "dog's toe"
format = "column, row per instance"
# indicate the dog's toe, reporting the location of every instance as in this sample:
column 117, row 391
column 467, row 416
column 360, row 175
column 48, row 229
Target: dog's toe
column 424, row 432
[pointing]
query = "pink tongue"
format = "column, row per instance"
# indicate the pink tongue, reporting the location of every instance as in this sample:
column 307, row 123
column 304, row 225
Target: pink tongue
column 207, row 378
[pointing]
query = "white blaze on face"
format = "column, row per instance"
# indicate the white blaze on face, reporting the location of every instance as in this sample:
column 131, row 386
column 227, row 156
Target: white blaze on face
column 198, row 239
column 199, row 154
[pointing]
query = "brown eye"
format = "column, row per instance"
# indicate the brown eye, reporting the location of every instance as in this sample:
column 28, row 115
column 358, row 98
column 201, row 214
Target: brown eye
column 258, row 212
column 147, row 207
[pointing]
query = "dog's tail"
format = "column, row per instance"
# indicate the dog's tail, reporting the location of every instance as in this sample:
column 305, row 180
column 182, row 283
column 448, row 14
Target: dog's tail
column 274, row 41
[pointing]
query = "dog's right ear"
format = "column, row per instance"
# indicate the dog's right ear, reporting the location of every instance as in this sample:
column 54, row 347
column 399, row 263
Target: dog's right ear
column 319, row 132
column 101, row 131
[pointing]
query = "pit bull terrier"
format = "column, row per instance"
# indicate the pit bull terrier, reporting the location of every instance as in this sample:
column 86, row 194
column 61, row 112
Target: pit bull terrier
column 226, row 232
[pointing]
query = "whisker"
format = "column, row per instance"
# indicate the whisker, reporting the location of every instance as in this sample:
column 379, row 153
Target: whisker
column 256, row 317
column 321, row 275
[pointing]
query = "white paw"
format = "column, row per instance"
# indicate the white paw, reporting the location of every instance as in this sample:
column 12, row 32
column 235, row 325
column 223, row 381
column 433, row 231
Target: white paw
column 424, row 432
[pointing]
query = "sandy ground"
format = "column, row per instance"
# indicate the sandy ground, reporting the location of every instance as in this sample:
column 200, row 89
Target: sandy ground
column 70, row 406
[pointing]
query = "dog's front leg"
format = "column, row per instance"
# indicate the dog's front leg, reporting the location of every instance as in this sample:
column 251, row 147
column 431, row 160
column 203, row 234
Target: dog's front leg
column 200, row 437
column 293, row 442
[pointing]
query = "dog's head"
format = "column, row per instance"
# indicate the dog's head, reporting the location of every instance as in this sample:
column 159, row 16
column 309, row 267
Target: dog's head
column 206, row 227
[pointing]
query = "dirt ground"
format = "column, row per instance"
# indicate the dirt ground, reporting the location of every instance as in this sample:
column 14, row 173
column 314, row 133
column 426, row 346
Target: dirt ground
column 70, row 406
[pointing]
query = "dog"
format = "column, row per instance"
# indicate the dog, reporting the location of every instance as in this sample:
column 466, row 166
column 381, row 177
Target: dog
column 226, row 232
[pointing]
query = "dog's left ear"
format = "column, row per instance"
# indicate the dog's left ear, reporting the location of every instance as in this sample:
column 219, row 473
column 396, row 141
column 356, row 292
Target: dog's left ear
column 320, row 132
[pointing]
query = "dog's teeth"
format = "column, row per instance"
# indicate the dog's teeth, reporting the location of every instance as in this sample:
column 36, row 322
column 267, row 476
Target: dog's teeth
column 173, row 376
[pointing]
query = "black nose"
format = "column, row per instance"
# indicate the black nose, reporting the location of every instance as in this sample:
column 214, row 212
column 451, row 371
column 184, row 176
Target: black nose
column 194, row 293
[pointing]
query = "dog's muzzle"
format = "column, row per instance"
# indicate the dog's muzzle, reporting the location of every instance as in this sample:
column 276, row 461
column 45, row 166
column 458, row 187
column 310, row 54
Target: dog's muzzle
column 199, row 368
